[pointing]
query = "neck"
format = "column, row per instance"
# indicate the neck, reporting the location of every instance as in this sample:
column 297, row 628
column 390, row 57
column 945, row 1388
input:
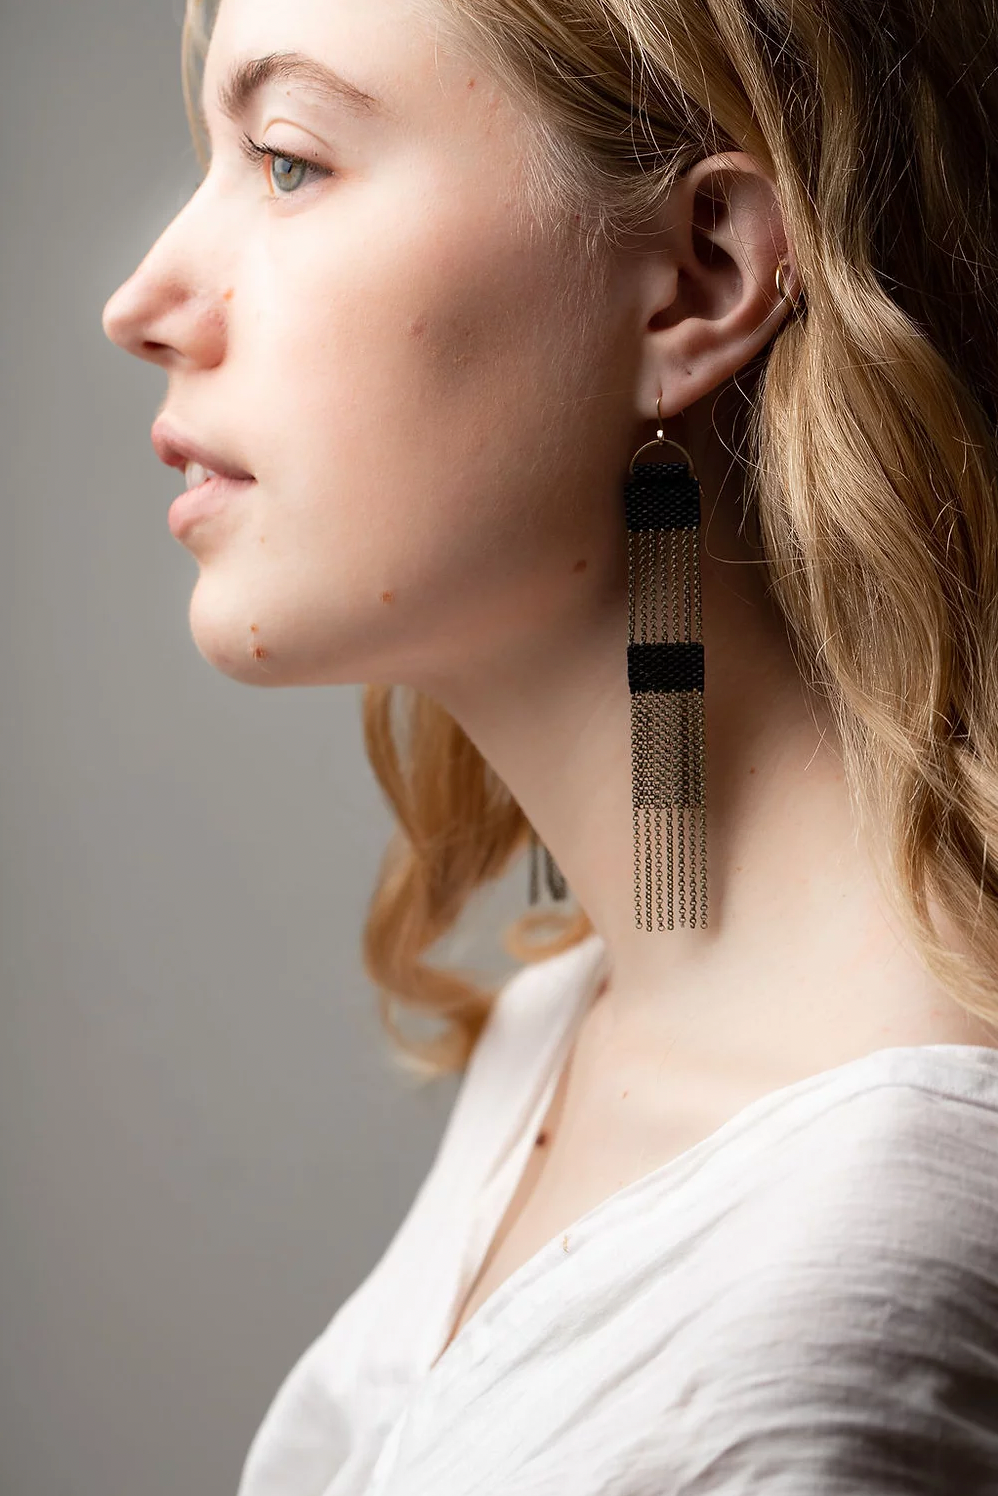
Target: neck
column 794, row 902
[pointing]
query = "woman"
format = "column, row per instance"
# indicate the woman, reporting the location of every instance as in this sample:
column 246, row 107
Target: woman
column 611, row 385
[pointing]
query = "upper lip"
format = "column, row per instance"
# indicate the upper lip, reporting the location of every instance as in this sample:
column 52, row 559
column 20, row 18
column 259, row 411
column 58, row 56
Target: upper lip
column 177, row 451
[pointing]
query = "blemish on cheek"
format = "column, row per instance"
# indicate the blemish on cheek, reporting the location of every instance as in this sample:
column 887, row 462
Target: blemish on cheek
column 417, row 328
column 254, row 628
column 259, row 653
column 228, row 295
column 388, row 597
column 581, row 564
column 471, row 82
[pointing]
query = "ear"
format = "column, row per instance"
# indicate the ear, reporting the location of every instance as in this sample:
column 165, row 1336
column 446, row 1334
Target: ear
column 710, row 297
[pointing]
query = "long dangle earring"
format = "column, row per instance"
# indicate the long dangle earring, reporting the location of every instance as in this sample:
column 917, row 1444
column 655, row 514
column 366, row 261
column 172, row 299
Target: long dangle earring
column 554, row 878
column 665, row 677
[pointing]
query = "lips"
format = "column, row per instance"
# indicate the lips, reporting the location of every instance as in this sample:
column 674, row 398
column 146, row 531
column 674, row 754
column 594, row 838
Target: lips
column 179, row 451
column 199, row 504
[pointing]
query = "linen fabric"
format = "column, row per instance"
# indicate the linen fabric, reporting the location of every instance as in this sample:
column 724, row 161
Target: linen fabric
column 805, row 1303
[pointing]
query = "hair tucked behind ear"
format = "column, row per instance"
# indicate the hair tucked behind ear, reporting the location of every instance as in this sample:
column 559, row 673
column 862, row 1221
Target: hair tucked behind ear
column 868, row 437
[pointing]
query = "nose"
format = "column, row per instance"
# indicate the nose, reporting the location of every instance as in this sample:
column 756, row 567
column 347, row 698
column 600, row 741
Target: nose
column 170, row 311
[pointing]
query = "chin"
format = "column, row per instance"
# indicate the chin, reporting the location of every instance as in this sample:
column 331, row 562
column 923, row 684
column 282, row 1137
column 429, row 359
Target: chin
column 226, row 636
column 252, row 635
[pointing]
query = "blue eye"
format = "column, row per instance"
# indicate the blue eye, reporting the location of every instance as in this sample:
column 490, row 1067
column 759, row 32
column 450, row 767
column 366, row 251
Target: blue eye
column 257, row 153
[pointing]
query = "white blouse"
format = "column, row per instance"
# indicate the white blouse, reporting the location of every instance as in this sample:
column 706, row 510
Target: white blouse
column 805, row 1303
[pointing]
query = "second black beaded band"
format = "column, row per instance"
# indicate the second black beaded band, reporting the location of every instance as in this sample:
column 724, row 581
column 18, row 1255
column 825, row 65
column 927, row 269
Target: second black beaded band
column 665, row 667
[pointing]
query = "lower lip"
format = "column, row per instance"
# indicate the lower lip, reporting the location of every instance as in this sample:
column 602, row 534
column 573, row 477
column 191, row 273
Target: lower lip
column 210, row 497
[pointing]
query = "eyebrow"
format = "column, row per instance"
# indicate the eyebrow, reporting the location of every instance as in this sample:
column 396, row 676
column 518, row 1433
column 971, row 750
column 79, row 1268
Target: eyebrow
column 247, row 78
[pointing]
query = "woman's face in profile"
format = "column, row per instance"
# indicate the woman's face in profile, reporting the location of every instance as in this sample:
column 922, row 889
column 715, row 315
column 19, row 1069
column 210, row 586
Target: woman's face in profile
column 388, row 340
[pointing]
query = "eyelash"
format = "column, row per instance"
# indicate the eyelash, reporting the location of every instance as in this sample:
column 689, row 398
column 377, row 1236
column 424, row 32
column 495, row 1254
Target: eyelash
column 257, row 153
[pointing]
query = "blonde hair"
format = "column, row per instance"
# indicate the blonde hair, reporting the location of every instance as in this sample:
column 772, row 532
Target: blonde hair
column 869, row 439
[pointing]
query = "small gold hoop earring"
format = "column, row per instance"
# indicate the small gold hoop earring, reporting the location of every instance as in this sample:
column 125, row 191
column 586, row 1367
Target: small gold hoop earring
column 661, row 440
column 779, row 289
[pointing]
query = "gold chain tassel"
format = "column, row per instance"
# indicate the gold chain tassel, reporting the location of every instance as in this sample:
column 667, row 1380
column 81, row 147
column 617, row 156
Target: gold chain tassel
column 665, row 675
column 665, row 672
column 667, row 759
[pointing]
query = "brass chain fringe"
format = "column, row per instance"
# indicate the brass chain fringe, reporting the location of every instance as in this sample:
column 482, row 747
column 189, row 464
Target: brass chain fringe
column 665, row 678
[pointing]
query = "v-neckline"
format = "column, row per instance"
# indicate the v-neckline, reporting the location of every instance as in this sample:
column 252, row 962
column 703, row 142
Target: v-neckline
column 535, row 1265
column 569, row 1019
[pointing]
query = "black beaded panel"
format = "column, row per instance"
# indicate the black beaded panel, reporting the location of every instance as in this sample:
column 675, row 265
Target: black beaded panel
column 665, row 667
column 662, row 496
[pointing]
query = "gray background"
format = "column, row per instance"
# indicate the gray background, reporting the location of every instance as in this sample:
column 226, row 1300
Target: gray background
column 203, row 1146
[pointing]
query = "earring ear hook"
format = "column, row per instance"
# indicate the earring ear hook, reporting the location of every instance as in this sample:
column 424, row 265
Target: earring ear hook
column 661, row 440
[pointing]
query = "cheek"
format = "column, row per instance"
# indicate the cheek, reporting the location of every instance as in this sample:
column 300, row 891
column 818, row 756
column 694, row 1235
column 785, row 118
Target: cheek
column 422, row 424
column 401, row 364
column 405, row 279
column 426, row 444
